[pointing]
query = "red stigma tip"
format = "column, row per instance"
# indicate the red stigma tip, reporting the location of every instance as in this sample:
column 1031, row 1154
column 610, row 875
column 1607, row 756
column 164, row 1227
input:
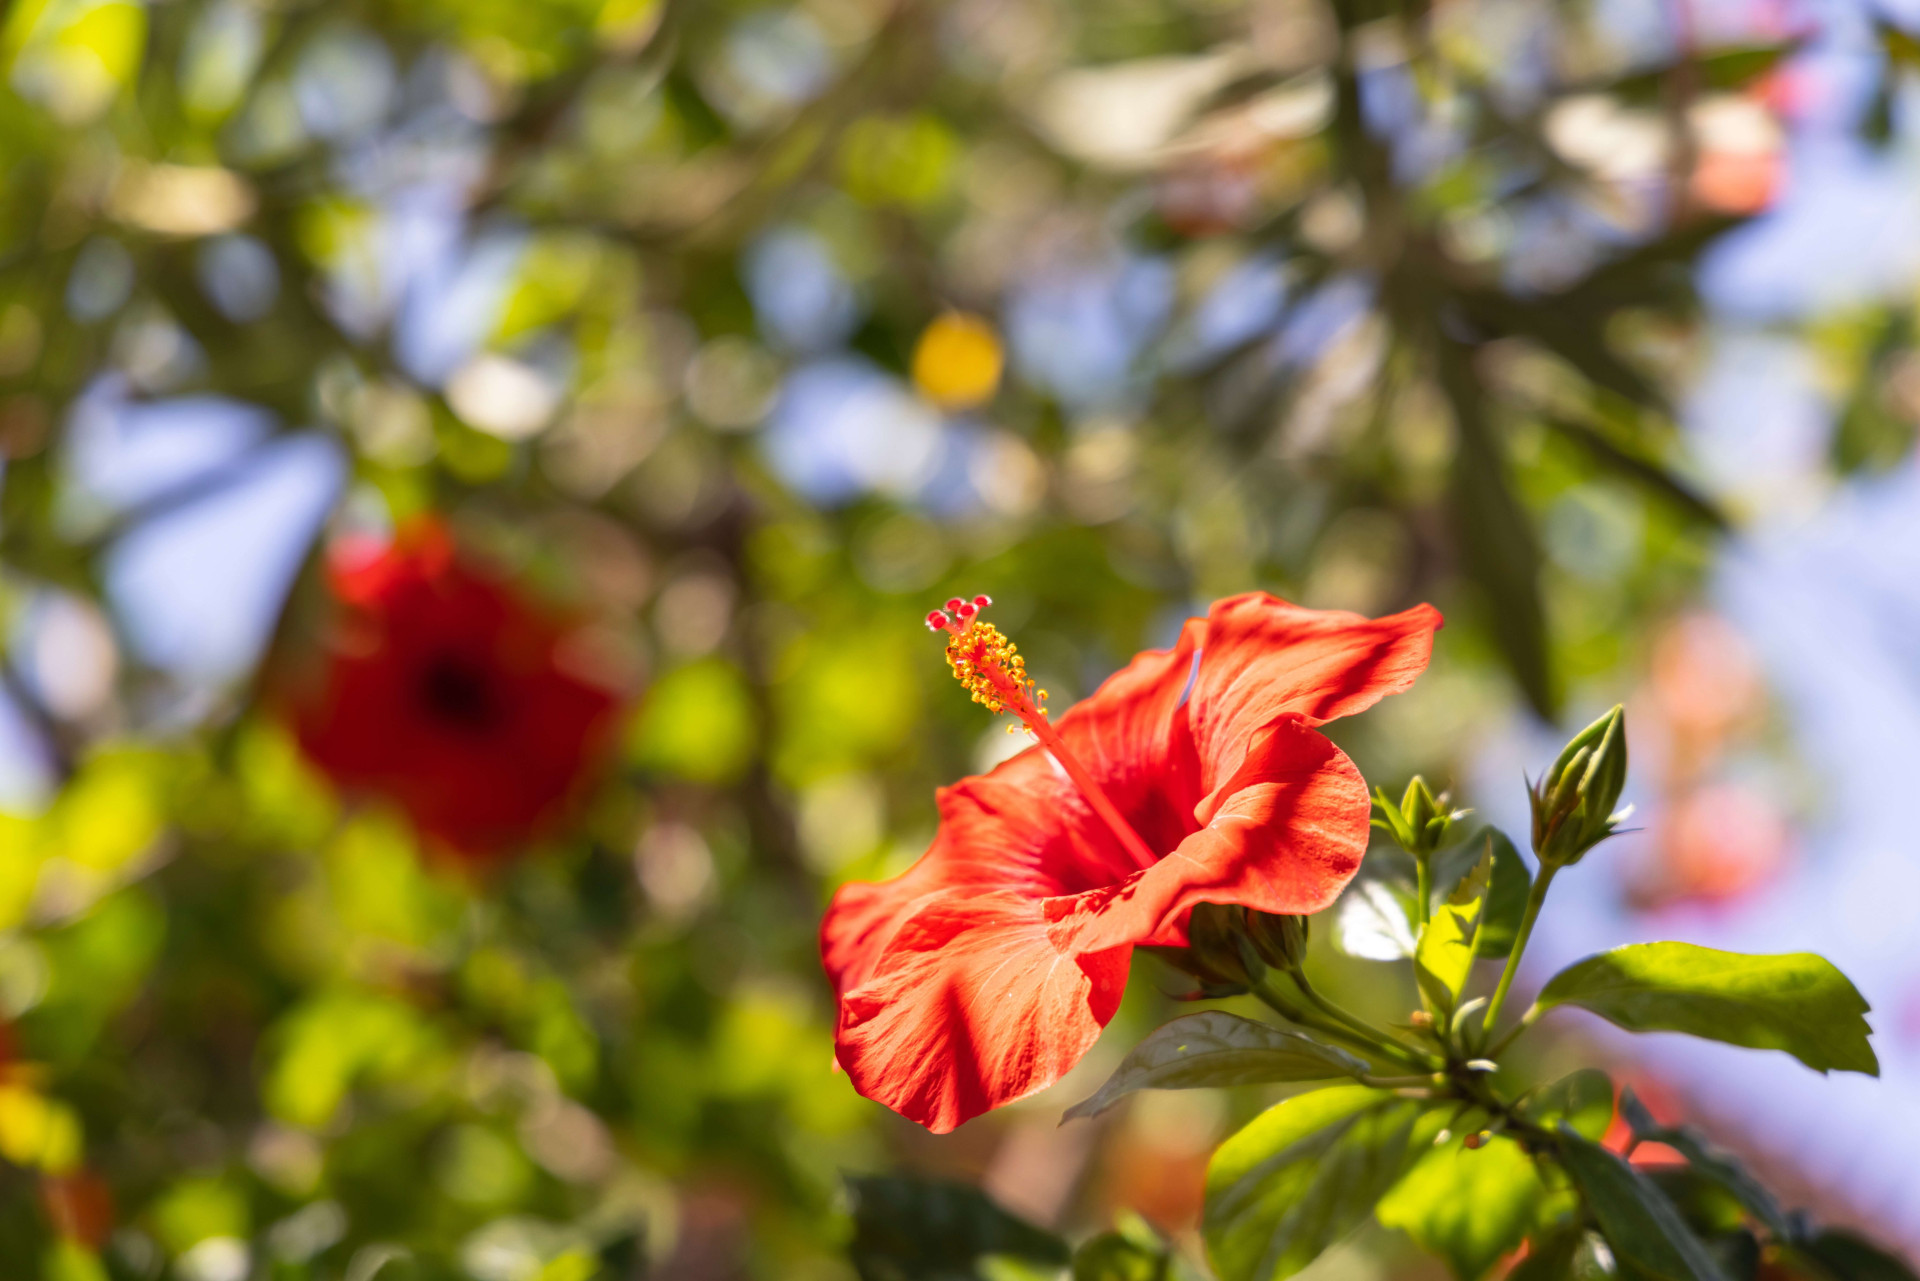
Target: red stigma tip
column 981, row 602
column 967, row 611
column 936, row 621
column 953, row 606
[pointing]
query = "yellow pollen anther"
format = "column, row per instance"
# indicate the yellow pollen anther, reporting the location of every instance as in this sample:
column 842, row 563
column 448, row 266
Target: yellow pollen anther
column 989, row 667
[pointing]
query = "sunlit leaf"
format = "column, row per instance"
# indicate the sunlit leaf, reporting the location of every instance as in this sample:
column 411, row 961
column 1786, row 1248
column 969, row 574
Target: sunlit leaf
column 1796, row 1002
column 1446, row 950
column 1304, row 1173
column 1471, row 1208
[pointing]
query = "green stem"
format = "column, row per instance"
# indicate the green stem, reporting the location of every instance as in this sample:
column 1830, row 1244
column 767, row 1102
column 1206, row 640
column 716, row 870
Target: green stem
column 1535, row 897
column 1527, row 1020
column 1384, row 1043
column 1362, row 1039
column 1423, row 908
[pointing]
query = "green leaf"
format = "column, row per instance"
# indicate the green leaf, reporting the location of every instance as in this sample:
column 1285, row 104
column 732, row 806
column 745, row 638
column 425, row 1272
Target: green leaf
column 1469, row 1208
column 1506, row 899
column 1846, row 1257
column 1445, row 954
column 1640, row 1223
column 1582, row 1100
column 907, row 1229
column 1304, row 1173
column 1637, row 465
column 1371, row 922
column 1112, row 1257
column 1567, row 1253
column 1725, row 70
column 1797, row 1002
column 1717, row 1166
column 1901, row 49
column 1133, row 1251
column 1216, row 1048
column 1499, row 550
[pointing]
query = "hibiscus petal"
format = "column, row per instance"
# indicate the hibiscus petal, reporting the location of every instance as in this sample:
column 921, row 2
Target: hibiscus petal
column 1131, row 734
column 1025, row 829
column 1264, row 658
column 1022, row 829
column 971, row 1007
column 1284, row 834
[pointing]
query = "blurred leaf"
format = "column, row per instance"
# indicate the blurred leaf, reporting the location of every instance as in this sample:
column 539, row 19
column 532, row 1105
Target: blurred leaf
column 698, row 722
column 197, row 1208
column 1640, row 469
column 1304, row 1173
column 1640, row 1223
column 1581, row 1100
column 1471, row 1208
column 1869, row 435
column 1721, row 71
column 1902, row 49
column 908, row 1229
column 1507, row 892
column 1498, row 546
column 71, row 1261
column 330, row 1043
column 1215, row 1048
column 1131, row 1252
column 1717, row 1166
column 1796, row 1002
column 1552, row 1257
column 1843, row 1256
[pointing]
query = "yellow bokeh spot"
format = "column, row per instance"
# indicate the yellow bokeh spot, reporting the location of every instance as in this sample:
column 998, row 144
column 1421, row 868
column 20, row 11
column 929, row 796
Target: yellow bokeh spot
column 38, row 1131
column 958, row 361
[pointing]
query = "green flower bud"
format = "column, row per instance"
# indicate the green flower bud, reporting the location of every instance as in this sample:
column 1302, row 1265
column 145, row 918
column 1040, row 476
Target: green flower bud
column 1419, row 823
column 1212, row 953
column 1573, row 804
column 1280, row 941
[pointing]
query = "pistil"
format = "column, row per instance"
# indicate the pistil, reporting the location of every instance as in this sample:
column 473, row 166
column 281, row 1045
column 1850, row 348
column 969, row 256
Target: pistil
column 986, row 663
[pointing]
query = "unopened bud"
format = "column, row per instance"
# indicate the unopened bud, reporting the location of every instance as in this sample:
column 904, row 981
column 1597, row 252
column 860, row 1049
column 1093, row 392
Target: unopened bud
column 1279, row 940
column 1212, row 953
column 1419, row 823
column 1573, row 804
column 1477, row 1140
column 1420, row 1019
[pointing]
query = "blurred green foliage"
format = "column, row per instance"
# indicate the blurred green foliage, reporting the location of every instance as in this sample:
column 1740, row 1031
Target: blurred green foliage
column 288, row 1039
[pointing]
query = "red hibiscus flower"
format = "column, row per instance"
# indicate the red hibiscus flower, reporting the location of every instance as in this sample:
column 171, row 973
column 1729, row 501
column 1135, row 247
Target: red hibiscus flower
column 445, row 691
column 987, row 970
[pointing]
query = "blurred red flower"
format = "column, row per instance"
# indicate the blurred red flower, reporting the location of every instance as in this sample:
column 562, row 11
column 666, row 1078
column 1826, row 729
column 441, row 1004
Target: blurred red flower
column 447, row 691
column 986, row 971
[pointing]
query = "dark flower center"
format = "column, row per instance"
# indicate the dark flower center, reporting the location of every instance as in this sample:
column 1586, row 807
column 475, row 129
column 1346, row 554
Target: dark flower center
column 456, row 691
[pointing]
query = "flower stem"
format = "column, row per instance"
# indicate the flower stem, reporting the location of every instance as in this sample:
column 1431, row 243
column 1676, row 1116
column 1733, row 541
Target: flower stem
column 1535, row 897
column 1365, row 1042
column 1382, row 1042
column 1423, row 907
